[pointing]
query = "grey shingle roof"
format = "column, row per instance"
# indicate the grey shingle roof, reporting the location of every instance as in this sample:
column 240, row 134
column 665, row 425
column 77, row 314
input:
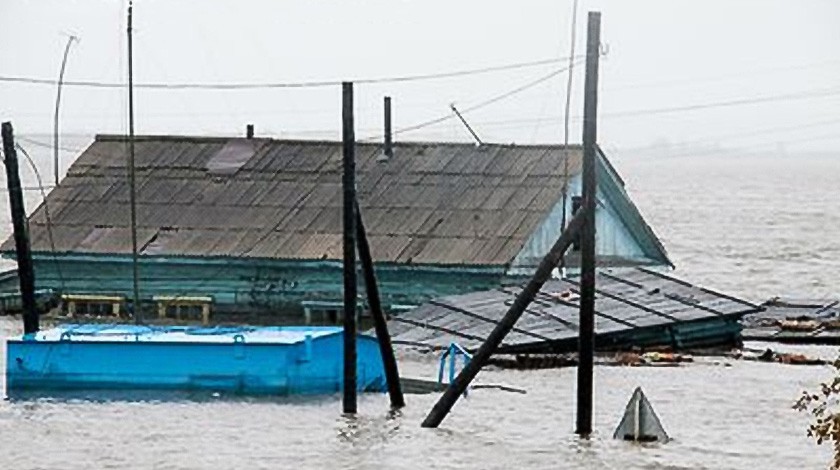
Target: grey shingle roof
column 438, row 203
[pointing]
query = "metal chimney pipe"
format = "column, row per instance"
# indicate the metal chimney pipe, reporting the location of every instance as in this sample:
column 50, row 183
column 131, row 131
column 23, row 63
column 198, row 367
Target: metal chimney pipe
column 389, row 144
column 249, row 131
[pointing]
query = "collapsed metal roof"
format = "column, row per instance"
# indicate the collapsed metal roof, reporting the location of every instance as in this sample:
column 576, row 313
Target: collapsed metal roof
column 634, row 307
column 431, row 203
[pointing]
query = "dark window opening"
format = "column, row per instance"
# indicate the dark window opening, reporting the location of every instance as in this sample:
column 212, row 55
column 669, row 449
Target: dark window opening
column 188, row 312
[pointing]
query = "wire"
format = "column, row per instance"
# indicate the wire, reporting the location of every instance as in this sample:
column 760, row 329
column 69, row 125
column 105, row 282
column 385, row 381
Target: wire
column 46, row 215
column 727, row 103
column 566, row 116
column 304, row 84
column 476, row 106
column 741, row 75
column 802, row 95
column 40, row 143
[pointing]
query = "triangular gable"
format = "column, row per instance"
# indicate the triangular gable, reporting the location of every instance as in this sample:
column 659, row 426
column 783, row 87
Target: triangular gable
column 623, row 238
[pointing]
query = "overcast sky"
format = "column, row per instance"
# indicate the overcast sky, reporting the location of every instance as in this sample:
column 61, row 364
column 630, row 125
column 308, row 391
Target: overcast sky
column 659, row 54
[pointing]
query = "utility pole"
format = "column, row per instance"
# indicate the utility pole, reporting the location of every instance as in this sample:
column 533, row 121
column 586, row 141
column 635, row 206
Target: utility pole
column 132, row 184
column 23, row 251
column 586, row 335
column 349, row 203
column 58, row 105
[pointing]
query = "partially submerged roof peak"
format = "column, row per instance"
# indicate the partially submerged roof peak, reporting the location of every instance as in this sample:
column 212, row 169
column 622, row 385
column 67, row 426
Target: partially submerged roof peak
column 223, row 139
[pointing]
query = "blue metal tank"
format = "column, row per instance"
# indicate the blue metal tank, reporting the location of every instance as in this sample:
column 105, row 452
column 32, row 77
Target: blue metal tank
column 252, row 360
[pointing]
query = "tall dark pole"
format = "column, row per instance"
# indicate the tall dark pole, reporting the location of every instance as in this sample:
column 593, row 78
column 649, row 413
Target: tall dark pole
column 137, row 313
column 586, row 341
column 494, row 339
column 26, row 274
column 380, row 324
column 349, row 185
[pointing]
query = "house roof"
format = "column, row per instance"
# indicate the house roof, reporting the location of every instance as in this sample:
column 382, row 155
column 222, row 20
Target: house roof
column 431, row 203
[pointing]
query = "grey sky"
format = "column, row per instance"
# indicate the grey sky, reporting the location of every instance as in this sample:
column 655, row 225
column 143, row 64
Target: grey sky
column 662, row 54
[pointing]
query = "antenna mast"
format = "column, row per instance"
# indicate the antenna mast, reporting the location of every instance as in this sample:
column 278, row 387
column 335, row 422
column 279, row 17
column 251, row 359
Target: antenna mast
column 136, row 310
column 70, row 40
column 478, row 141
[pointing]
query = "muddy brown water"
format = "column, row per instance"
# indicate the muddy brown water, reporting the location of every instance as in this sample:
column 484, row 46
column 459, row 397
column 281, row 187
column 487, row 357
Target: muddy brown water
column 753, row 227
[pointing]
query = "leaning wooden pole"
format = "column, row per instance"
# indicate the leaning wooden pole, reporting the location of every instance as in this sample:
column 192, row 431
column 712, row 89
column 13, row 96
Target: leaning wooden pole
column 586, row 335
column 380, row 324
column 523, row 299
column 23, row 252
column 349, row 185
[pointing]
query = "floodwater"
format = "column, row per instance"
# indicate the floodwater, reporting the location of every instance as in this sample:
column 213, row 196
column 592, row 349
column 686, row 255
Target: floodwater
column 756, row 227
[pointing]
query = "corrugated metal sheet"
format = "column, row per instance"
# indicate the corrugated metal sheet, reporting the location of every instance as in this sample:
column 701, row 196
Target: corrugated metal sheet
column 436, row 203
column 633, row 307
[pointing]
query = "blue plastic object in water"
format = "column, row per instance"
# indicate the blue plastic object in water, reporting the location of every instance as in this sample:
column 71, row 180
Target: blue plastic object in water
column 258, row 360
column 452, row 352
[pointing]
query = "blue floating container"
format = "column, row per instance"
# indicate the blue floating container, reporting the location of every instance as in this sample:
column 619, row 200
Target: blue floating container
column 251, row 360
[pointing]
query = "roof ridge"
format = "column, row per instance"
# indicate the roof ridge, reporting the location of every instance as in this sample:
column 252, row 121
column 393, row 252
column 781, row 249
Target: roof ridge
column 304, row 141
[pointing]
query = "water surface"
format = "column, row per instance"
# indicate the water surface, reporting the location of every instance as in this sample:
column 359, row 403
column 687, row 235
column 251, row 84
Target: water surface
column 756, row 227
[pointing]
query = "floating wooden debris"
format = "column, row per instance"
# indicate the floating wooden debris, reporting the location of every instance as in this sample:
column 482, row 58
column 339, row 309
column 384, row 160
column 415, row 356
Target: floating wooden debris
column 555, row 361
column 636, row 307
column 640, row 422
column 795, row 321
column 768, row 355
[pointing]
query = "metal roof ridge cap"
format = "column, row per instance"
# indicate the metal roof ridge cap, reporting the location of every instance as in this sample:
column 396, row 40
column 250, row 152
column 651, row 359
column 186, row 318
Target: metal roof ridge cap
column 105, row 137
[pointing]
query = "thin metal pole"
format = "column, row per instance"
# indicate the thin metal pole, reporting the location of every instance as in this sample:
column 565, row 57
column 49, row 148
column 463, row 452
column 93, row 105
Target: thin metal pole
column 380, row 324
column 566, row 119
column 23, row 252
column 523, row 299
column 464, row 122
column 586, row 337
column 131, row 177
column 349, row 184
column 58, row 106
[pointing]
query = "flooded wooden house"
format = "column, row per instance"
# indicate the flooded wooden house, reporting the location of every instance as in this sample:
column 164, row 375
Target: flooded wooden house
column 254, row 224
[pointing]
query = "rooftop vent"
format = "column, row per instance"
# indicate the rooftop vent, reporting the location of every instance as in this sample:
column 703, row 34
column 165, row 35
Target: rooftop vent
column 388, row 150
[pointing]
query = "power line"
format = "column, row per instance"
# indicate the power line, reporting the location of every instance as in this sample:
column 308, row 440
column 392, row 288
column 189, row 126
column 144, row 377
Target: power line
column 727, row 103
column 46, row 215
column 566, row 119
column 763, row 71
column 829, row 92
column 303, row 84
column 476, row 106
